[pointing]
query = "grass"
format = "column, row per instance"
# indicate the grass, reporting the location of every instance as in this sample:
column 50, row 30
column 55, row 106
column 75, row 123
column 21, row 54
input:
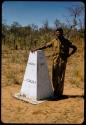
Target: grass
column 14, row 64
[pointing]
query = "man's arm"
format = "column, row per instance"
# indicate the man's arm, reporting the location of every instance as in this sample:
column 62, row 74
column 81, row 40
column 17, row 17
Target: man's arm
column 73, row 51
column 43, row 47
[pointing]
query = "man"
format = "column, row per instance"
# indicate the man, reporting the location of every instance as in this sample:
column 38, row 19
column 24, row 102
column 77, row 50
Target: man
column 61, row 51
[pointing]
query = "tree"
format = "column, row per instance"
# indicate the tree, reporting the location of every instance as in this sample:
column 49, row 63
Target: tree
column 4, row 30
column 57, row 23
column 46, row 25
column 75, row 12
column 14, row 30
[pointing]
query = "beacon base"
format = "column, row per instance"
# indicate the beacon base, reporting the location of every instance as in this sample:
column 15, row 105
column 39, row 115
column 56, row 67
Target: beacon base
column 30, row 100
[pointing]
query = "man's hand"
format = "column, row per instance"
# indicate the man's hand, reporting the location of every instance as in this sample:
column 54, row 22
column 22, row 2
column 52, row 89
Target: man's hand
column 33, row 50
column 40, row 48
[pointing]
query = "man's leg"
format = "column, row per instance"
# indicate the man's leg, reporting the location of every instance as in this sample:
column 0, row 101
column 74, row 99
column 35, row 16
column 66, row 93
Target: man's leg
column 61, row 76
column 58, row 77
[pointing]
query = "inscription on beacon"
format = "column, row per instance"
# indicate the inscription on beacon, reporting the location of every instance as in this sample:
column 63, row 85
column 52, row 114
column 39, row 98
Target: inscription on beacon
column 31, row 81
column 30, row 63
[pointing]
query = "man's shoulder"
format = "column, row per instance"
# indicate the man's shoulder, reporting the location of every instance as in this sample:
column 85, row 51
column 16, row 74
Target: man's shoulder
column 51, row 41
column 67, row 41
column 54, row 40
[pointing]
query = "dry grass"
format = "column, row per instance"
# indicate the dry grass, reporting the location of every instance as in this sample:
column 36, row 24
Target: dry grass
column 14, row 63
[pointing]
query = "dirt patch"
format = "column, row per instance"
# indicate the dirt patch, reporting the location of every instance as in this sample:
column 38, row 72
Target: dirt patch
column 68, row 109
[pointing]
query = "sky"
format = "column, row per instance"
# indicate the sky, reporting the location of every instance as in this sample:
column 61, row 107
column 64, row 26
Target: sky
column 36, row 12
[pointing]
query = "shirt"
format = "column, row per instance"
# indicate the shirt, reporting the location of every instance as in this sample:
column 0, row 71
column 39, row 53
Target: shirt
column 55, row 49
column 60, row 48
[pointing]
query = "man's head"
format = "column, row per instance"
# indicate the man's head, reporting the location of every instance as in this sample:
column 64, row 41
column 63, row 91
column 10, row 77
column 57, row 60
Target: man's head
column 59, row 32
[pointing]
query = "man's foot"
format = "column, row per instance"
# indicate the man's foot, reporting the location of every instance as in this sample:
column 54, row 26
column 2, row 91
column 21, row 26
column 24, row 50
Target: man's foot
column 57, row 95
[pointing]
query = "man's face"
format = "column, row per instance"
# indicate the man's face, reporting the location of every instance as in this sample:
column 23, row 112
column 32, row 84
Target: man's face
column 58, row 33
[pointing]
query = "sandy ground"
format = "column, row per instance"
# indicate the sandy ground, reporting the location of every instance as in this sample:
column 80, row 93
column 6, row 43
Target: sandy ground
column 68, row 109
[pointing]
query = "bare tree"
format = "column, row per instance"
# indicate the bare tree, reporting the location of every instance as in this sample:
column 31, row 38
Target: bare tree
column 46, row 25
column 57, row 23
column 75, row 12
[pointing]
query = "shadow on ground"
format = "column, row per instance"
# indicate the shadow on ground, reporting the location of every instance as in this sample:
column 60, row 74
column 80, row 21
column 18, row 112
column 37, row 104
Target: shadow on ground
column 65, row 97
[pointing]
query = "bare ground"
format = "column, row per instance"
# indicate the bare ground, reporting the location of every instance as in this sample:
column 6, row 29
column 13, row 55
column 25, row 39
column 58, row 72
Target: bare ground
column 68, row 109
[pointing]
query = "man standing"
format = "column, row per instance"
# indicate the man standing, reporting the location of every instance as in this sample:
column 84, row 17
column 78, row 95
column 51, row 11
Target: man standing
column 61, row 51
